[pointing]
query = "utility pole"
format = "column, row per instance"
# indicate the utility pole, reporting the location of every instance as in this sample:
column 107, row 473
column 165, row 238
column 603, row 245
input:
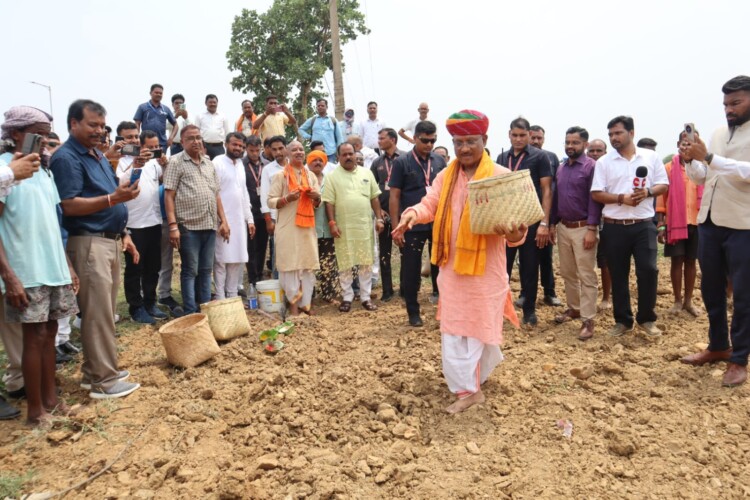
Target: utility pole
column 49, row 89
column 338, row 79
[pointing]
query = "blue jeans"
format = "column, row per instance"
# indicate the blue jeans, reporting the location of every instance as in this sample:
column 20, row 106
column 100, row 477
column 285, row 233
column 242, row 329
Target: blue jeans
column 197, row 255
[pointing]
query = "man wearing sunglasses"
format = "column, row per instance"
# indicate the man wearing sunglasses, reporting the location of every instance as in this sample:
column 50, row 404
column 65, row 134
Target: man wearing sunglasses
column 412, row 174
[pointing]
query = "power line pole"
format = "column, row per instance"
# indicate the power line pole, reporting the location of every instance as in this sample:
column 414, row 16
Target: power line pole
column 338, row 80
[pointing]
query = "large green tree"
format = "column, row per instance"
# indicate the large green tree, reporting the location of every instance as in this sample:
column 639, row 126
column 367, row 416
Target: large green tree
column 287, row 50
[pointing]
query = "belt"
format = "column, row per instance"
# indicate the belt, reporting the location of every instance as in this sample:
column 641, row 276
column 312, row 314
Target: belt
column 109, row 236
column 574, row 224
column 624, row 222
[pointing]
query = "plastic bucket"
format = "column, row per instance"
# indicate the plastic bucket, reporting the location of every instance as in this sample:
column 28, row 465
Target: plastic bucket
column 270, row 296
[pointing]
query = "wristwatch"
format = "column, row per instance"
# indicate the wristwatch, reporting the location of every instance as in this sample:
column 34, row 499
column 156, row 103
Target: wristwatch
column 542, row 224
column 709, row 157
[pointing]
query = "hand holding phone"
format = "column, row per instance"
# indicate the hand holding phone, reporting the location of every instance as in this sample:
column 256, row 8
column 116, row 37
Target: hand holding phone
column 136, row 175
column 32, row 143
column 690, row 132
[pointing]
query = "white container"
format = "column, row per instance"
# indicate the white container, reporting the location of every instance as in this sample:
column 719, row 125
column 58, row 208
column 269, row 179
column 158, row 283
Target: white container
column 270, row 296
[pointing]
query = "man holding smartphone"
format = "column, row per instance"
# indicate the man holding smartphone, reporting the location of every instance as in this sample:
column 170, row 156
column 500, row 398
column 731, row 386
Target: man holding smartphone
column 274, row 119
column 724, row 233
column 144, row 224
column 181, row 119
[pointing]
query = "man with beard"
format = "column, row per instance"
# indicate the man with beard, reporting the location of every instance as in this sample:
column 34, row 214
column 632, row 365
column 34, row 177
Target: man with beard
column 724, row 232
column 256, row 246
column 294, row 194
column 574, row 219
column 277, row 147
column 630, row 233
column 231, row 253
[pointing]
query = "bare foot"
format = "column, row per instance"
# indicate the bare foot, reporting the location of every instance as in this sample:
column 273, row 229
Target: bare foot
column 467, row 402
column 676, row 308
column 690, row 308
column 43, row 421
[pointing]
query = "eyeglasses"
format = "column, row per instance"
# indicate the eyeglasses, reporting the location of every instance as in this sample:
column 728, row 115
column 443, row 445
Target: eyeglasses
column 53, row 144
column 425, row 140
column 192, row 138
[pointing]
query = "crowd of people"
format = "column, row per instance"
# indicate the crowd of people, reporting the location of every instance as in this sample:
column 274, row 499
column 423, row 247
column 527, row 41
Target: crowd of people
column 321, row 213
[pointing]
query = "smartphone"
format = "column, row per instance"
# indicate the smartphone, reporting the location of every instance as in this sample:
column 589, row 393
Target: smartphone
column 32, row 143
column 135, row 175
column 156, row 153
column 130, row 150
column 690, row 131
column 182, row 106
column 277, row 109
column 119, row 138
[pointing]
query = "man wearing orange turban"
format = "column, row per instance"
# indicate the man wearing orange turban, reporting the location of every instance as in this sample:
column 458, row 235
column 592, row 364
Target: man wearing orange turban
column 473, row 280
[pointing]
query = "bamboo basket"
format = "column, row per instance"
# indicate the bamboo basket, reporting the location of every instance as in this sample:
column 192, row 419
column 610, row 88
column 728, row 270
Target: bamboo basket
column 226, row 318
column 503, row 199
column 189, row 341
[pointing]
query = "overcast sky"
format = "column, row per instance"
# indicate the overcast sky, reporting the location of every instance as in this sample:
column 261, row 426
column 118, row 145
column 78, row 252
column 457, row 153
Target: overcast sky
column 557, row 63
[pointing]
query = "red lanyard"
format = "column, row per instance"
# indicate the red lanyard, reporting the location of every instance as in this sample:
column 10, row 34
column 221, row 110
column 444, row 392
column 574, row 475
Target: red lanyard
column 252, row 171
column 518, row 163
column 427, row 171
column 388, row 168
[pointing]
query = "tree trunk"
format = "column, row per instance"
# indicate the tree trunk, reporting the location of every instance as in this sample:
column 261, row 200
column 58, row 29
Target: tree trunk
column 338, row 80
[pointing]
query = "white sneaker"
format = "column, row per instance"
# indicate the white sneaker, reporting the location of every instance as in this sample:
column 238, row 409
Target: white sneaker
column 121, row 375
column 117, row 318
column 119, row 390
column 77, row 322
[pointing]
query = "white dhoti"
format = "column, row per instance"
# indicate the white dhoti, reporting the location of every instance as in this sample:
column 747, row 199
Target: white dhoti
column 298, row 286
column 468, row 363
column 227, row 278
column 346, row 278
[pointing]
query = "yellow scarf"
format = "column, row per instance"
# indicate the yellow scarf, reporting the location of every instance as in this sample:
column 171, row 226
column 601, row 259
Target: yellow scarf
column 471, row 249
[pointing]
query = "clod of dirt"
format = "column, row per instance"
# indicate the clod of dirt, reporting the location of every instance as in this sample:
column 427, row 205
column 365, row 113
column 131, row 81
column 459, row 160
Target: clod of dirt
column 207, row 394
column 472, row 448
column 582, row 373
column 404, row 431
column 621, row 444
column 267, row 462
column 385, row 474
column 733, row 429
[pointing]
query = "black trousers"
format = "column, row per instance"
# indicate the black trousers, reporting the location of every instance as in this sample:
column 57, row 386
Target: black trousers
column 329, row 270
column 528, row 268
column 140, row 279
column 636, row 241
column 256, row 250
column 215, row 149
column 411, row 268
column 546, row 274
column 385, row 245
column 723, row 252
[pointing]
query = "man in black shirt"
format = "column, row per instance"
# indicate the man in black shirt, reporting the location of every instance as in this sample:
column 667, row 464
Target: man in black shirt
column 522, row 156
column 546, row 275
column 256, row 246
column 412, row 174
column 381, row 168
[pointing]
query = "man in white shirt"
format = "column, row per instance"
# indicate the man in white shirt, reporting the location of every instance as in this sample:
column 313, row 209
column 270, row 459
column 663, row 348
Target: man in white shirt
column 627, row 215
column 231, row 255
column 368, row 129
column 278, row 151
column 724, row 233
column 144, row 224
column 407, row 131
column 181, row 117
column 214, row 127
column 368, row 154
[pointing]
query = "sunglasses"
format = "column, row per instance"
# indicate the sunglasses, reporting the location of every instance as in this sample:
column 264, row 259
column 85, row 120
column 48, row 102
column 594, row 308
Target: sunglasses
column 425, row 140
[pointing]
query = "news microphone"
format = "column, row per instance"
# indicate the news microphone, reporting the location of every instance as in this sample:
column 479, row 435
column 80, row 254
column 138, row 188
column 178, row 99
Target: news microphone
column 639, row 182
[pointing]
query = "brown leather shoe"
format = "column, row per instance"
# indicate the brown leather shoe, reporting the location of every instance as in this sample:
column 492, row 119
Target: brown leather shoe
column 568, row 315
column 706, row 356
column 735, row 375
column 587, row 330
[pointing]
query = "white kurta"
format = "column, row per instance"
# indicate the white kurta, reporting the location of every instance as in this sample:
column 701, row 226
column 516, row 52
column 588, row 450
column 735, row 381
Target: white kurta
column 236, row 203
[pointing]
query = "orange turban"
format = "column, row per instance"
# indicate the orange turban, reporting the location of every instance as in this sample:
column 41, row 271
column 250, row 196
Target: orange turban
column 467, row 122
column 320, row 155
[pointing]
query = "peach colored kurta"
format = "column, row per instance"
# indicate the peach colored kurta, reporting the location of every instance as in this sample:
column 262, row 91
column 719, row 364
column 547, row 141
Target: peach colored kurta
column 470, row 306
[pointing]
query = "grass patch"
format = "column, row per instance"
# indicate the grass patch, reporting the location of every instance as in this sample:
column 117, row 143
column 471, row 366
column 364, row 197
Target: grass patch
column 11, row 484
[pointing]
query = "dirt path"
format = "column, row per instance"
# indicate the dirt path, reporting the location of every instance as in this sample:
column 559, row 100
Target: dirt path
column 353, row 407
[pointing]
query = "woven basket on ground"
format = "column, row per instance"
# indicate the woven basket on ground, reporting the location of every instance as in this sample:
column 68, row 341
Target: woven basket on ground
column 503, row 199
column 189, row 341
column 227, row 318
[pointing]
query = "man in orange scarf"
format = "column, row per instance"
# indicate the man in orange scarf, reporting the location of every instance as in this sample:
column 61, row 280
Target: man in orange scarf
column 295, row 193
column 473, row 279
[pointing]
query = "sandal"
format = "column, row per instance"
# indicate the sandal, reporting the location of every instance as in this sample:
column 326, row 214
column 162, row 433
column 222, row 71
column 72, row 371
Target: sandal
column 345, row 306
column 368, row 305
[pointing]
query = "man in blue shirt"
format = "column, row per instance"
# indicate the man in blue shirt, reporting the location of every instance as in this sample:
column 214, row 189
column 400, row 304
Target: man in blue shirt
column 151, row 115
column 94, row 215
column 324, row 128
